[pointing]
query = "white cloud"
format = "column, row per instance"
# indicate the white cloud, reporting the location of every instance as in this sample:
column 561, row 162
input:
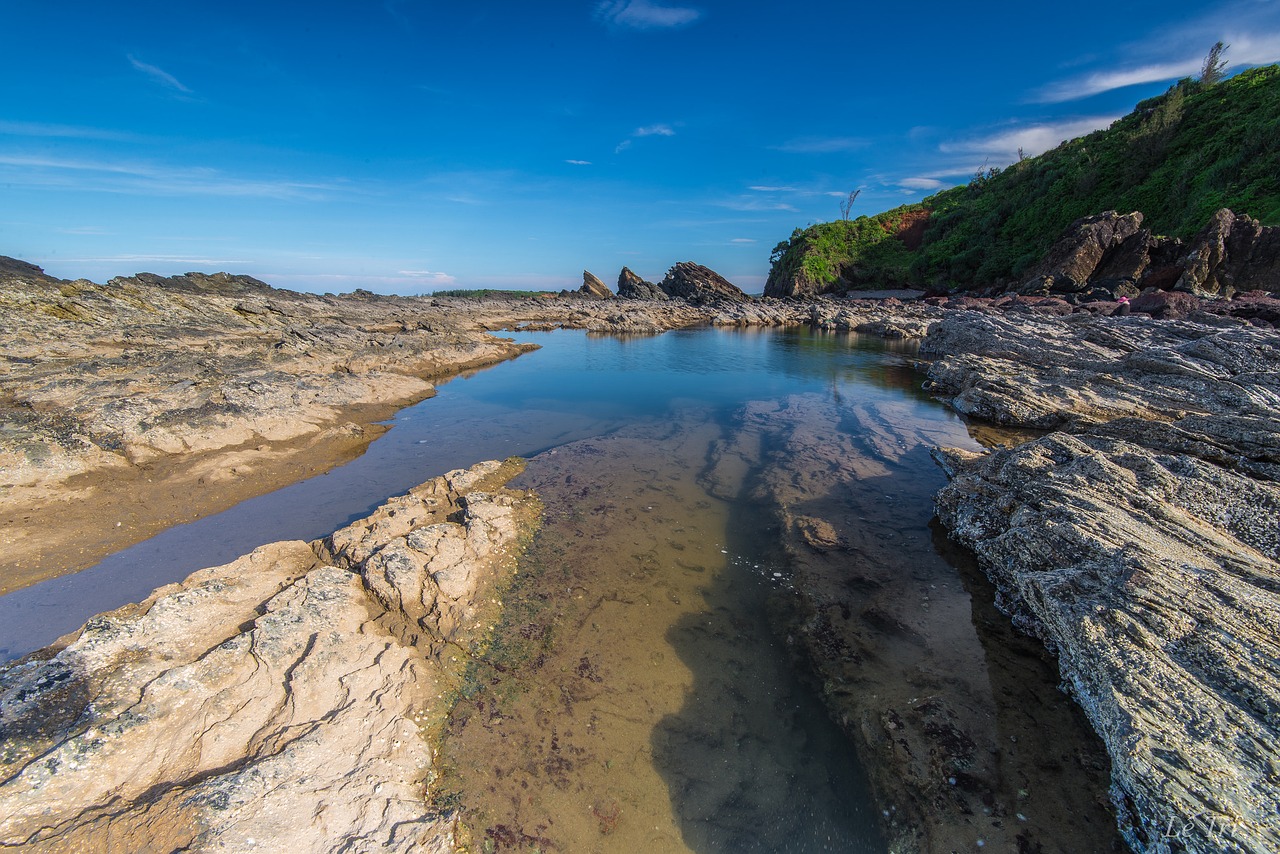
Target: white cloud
column 919, row 183
column 158, row 74
column 579, row 162
column 640, row 132
column 766, row 189
column 743, row 240
column 822, row 145
column 644, row 15
column 1030, row 140
column 1093, row 84
column 430, row 277
column 654, row 130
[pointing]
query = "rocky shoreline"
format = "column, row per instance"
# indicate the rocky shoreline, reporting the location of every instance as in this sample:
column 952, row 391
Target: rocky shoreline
column 1139, row 541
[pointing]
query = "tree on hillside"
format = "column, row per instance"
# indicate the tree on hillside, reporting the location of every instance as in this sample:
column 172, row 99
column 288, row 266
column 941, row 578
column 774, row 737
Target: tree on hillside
column 847, row 204
column 1215, row 64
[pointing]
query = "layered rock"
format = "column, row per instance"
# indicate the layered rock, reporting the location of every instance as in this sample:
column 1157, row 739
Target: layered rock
column 1110, row 254
column 213, row 385
column 631, row 286
column 593, row 288
column 700, row 285
column 1142, row 543
column 1233, row 253
column 284, row 701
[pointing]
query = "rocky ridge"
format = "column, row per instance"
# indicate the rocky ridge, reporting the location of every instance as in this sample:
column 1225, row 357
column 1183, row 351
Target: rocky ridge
column 1141, row 542
column 1111, row 254
column 286, row 701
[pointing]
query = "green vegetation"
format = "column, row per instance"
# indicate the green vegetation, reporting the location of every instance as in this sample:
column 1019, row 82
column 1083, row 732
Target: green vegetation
column 487, row 293
column 1177, row 158
column 851, row 251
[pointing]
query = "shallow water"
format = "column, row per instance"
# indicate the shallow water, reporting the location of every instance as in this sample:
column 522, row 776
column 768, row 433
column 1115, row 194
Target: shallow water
column 577, row 386
column 642, row 692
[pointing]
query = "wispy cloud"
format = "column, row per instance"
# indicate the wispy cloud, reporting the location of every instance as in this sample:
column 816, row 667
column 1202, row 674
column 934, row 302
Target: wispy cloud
column 754, row 203
column 579, row 162
column 158, row 74
column 921, row 183
column 654, row 130
column 37, row 129
column 90, row 230
column 1250, row 27
column 742, row 241
column 822, row 145
column 1030, row 139
column 644, row 15
column 430, row 277
column 147, row 179
column 764, row 188
column 641, row 132
column 1105, row 81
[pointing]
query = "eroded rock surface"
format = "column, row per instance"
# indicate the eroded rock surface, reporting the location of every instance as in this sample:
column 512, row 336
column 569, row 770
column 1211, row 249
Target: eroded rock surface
column 283, row 701
column 699, row 285
column 1142, row 543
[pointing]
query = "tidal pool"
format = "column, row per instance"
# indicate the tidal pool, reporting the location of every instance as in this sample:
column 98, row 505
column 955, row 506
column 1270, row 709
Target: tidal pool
column 669, row 664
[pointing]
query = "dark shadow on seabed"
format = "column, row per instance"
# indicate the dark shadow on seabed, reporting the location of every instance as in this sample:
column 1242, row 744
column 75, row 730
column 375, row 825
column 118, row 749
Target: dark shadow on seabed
column 752, row 760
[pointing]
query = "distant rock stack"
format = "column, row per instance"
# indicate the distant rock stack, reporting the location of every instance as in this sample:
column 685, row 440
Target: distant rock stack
column 631, row 286
column 699, row 285
column 593, row 288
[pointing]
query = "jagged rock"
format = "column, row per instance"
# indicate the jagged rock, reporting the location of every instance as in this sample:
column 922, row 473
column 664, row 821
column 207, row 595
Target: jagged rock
column 593, row 288
column 631, row 286
column 1108, row 241
column 1155, row 579
column 699, row 285
column 278, row 702
column 1233, row 253
column 1143, row 546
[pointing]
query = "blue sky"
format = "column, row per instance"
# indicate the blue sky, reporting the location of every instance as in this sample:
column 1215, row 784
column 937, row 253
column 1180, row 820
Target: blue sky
column 409, row 145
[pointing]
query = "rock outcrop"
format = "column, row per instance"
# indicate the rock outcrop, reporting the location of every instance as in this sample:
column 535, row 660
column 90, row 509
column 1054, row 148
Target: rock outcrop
column 593, row 288
column 1111, row 254
column 285, row 701
column 631, row 286
column 1106, row 242
column 700, row 285
column 1141, row 542
column 1233, row 253
column 687, row 281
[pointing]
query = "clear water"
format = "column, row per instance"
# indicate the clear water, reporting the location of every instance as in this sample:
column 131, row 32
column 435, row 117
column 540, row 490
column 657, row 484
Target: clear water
column 577, row 386
column 649, row 700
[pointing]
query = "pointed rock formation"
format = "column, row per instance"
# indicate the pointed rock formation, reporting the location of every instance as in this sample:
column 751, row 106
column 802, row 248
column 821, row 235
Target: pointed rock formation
column 699, row 285
column 1233, row 253
column 631, row 286
column 593, row 288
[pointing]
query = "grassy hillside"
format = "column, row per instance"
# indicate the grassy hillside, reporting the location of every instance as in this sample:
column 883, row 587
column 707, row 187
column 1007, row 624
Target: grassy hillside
column 1177, row 158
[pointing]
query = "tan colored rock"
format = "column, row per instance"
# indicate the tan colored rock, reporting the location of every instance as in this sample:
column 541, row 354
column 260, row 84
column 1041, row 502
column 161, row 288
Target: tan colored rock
column 272, row 703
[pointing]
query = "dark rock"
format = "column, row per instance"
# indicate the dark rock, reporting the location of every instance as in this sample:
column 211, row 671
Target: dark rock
column 631, row 286
column 699, row 285
column 1108, row 241
column 1165, row 305
column 1233, row 253
column 593, row 288
column 14, row 267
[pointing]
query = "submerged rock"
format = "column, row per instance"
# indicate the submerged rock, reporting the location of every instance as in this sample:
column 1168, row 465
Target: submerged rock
column 282, row 701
